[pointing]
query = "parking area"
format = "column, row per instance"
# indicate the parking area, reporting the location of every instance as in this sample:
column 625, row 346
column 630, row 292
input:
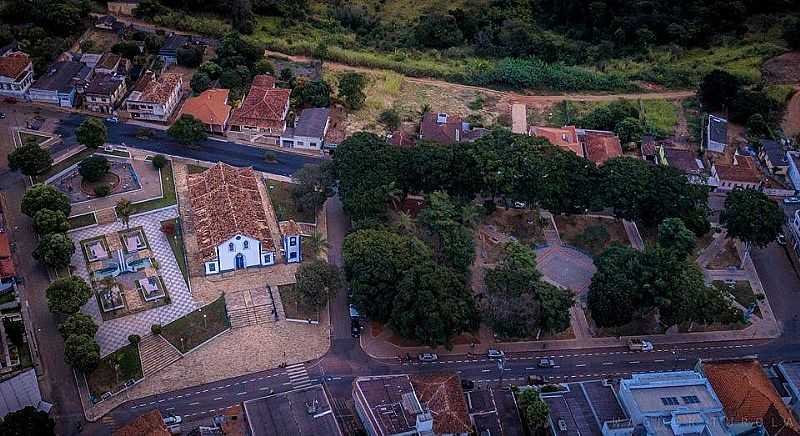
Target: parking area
column 582, row 408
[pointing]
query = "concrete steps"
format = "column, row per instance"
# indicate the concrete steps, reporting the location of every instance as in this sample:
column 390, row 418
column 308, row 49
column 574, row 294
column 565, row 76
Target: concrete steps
column 156, row 353
column 106, row 216
column 250, row 316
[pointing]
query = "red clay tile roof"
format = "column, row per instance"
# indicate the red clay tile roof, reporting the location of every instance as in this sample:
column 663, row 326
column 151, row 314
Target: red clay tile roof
column 601, row 146
column 566, row 137
column 449, row 132
column 210, row 107
column 744, row 170
column 442, row 394
column 747, row 395
column 149, row 424
column 108, row 61
column 14, row 65
column 157, row 90
column 290, row 228
column 5, row 246
column 264, row 106
column 226, row 201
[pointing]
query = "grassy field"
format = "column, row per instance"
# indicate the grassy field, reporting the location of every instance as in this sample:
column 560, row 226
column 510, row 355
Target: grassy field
column 591, row 234
column 176, row 243
column 742, row 291
column 197, row 327
column 660, row 116
column 79, row 221
column 167, row 186
column 285, row 208
column 105, row 378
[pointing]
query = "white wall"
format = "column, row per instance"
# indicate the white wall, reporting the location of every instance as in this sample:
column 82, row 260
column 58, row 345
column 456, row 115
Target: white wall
column 293, row 253
column 251, row 254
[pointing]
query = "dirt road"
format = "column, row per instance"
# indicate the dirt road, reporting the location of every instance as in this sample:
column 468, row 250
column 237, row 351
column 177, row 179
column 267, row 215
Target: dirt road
column 791, row 119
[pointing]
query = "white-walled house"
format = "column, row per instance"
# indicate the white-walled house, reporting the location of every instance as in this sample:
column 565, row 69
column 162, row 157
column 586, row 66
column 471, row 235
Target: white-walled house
column 234, row 230
column 16, row 75
column 309, row 130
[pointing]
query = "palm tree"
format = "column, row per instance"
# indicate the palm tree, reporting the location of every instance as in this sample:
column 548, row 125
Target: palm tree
column 317, row 243
column 394, row 194
column 124, row 210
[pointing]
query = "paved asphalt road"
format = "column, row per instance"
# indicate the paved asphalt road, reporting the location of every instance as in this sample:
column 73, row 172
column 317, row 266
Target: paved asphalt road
column 210, row 150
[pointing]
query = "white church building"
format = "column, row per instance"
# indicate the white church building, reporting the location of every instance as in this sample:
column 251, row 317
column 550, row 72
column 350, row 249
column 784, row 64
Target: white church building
column 233, row 229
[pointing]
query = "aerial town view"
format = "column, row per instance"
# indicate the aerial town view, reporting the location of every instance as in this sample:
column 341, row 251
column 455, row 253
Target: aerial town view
column 400, row 217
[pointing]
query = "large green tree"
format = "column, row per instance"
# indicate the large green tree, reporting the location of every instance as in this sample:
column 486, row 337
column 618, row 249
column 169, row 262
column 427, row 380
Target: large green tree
column 365, row 166
column 315, row 184
column 82, row 352
column 50, row 221
column 78, row 324
column 533, row 409
column 41, row 196
column 351, row 89
column 317, row 281
column 93, row 168
column 718, row 89
column 451, row 237
column 28, row 421
column 187, row 130
column 54, row 250
column 92, row 132
column 615, row 285
column 67, row 295
column 673, row 235
column 30, row 159
column 375, row 261
column 432, row 305
column 752, row 217
column 311, row 93
column 557, row 180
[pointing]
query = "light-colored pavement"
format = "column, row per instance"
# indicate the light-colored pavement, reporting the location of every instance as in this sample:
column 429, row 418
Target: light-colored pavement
column 113, row 334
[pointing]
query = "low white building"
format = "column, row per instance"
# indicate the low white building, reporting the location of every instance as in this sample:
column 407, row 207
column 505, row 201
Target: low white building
column 16, row 75
column 309, row 130
column 234, row 230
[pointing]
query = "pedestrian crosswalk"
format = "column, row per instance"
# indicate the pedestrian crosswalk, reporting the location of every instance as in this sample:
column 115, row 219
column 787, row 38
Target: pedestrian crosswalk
column 298, row 376
column 110, row 422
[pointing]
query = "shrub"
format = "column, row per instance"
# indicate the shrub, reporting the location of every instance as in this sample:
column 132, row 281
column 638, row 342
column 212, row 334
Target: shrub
column 102, row 190
column 134, row 339
column 159, row 161
column 390, row 118
column 155, row 329
column 168, row 228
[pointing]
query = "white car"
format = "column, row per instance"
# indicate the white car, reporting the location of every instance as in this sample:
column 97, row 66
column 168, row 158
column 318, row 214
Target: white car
column 173, row 420
column 791, row 200
column 428, row 357
column 114, row 120
column 640, row 345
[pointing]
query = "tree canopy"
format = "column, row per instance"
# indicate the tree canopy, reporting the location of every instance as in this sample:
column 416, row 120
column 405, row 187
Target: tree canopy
column 752, row 217
column 41, row 196
column 533, row 409
column 67, row 295
column 187, row 130
column 674, row 236
column 317, row 281
column 92, row 132
column 28, row 421
column 82, row 352
column 50, row 221
column 78, row 324
column 30, row 159
column 314, row 185
column 93, row 168
column 54, row 250
column 311, row 93
column 351, row 89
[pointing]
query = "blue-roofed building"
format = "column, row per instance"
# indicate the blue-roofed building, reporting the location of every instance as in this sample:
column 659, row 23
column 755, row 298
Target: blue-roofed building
column 669, row 404
column 716, row 134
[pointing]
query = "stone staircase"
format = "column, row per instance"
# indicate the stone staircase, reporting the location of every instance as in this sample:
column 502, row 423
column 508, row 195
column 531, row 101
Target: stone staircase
column 156, row 353
column 106, row 216
column 250, row 316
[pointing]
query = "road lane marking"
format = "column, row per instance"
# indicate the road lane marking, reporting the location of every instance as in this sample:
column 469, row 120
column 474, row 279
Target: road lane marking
column 580, row 365
column 195, row 403
column 264, row 388
column 485, row 370
column 241, row 393
column 217, row 399
column 658, row 360
column 608, row 363
column 170, row 408
column 634, row 362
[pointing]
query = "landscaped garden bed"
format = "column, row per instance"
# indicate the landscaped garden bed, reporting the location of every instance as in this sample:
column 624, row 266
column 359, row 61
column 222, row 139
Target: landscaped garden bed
column 591, row 234
column 176, row 243
column 293, row 306
column 523, row 224
column 25, row 137
column 193, row 329
column 169, row 197
column 84, row 220
column 115, row 371
column 280, row 194
column 728, row 257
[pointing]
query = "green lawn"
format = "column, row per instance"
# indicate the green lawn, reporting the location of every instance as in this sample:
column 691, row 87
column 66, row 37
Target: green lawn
column 195, row 169
column 285, row 207
column 25, row 137
column 176, row 243
column 8, row 297
column 660, row 115
column 197, row 327
column 79, row 221
column 106, row 379
column 741, row 291
column 293, row 307
column 167, row 186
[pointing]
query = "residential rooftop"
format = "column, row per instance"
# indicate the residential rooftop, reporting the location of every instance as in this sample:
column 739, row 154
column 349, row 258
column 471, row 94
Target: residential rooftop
column 104, row 84
column 152, row 89
column 311, row 123
column 445, row 129
column 148, row 424
column 684, row 160
column 743, row 169
column 14, row 65
column 718, row 129
column 210, row 107
column 62, row 76
column 601, row 146
column 564, row 137
column 305, row 411
column 264, row 106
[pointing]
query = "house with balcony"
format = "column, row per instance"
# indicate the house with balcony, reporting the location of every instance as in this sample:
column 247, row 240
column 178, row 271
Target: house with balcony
column 742, row 172
column 104, row 92
column 155, row 98
column 16, row 74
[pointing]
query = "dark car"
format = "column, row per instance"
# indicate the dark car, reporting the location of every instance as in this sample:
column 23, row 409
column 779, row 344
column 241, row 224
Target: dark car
column 467, row 385
column 545, row 363
column 355, row 328
column 2, row 115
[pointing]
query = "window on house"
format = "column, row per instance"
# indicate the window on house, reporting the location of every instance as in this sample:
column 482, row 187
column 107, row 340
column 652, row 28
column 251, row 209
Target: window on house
column 292, row 242
column 669, row 401
column 690, row 399
column 246, row 244
column 313, row 144
column 293, row 255
column 230, row 246
column 212, row 267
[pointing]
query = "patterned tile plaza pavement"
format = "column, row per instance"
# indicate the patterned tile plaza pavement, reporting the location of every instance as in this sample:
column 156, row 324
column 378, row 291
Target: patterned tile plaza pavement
column 113, row 334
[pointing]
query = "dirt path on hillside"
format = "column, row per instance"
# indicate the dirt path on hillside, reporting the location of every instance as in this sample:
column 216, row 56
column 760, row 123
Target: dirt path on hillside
column 505, row 97
column 791, row 119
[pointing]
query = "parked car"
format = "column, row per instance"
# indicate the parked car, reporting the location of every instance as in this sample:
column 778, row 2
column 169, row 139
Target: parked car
column 791, row 200
column 2, row 115
column 113, row 120
column 546, row 363
column 355, row 328
column 172, row 420
column 781, row 239
column 354, row 312
column 536, row 379
column 495, row 354
column 428, row 357
column 640, row 345
column 467, row 385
